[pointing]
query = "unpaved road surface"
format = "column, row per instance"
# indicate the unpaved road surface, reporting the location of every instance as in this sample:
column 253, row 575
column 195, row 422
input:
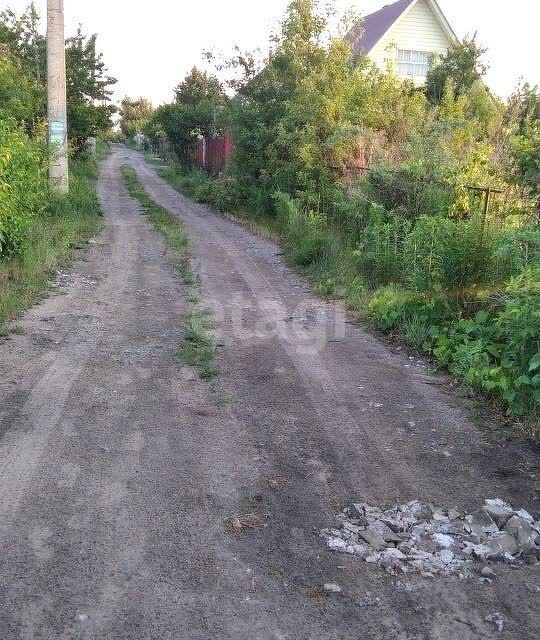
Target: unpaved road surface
column 118, row 465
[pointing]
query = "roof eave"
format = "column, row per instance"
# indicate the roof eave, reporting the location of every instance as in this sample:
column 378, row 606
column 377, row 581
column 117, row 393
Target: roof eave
column 443, row 21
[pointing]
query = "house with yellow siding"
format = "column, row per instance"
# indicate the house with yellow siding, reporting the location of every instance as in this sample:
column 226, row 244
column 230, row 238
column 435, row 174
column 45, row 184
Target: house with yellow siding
column 406, row 36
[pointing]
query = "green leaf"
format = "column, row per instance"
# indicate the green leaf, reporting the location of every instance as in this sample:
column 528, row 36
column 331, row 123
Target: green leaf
column 534, row 363
column 509, row 395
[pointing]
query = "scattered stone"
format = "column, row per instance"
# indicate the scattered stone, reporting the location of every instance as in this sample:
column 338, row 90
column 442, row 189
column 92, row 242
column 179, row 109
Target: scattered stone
column 385, row 532
column 481, row 523
column 479, row 551
column 500, row 545
column 373, row 558
column 440, row 516
column 369, row 600
column 454, row 514
column 499, row 511
column 415, row 537
column 357, row 512
column 525, row 515
column 443, row 540
column 496, row 619
column 336, row 544
column 520, row 528
column 332, row 587
column 446, row 556
column 373, row 538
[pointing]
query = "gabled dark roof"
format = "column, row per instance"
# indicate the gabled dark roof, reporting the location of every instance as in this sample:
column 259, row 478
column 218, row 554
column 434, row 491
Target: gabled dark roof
column 373, row 27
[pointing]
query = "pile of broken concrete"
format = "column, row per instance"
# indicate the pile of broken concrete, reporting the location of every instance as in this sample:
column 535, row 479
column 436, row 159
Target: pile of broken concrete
column 415, row 537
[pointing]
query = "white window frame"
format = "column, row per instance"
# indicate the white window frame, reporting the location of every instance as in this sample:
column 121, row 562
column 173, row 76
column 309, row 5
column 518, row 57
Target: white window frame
column 413, row 64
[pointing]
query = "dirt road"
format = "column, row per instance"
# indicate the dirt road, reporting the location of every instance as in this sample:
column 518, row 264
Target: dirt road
column 118, row 465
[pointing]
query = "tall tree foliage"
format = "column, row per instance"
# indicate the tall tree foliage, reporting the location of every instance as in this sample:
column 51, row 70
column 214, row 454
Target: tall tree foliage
column 197, row 111
column 22, row 37
column 21, row 98
column 460, row 68
column 134, row 115
column 22, row 68
column 297, row 122
column 199, row 87
column 23, row 163
column 88, row 90
column 524, row 114
column 88, row 83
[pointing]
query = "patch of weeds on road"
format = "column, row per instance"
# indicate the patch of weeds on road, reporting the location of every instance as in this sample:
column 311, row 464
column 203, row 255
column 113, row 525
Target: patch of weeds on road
column 5, row 330
column 10, row 330
column 168, row 225
column 198, row 346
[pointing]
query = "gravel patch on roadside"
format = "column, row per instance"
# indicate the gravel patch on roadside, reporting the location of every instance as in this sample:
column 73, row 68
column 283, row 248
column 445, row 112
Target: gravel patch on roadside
column 417, row 537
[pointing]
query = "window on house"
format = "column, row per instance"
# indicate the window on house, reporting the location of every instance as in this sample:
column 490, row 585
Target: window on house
column 414, row 64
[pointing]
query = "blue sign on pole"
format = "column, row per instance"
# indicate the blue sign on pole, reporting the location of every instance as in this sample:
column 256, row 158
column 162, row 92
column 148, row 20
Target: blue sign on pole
column 57, row 132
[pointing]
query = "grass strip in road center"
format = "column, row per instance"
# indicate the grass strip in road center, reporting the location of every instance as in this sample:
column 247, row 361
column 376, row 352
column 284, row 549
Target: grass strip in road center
column 198, row 346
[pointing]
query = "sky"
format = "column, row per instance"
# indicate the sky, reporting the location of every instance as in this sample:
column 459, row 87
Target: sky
column 150, row 46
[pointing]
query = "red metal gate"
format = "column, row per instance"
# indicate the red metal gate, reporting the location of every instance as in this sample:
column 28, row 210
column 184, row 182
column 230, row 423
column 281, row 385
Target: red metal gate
column 212, row 154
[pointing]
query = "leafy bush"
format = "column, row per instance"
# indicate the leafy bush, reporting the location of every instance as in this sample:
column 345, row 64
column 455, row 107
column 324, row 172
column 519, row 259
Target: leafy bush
column 51, row 236
column 514, row 250
column 518, row 329
column 220, row 193
column 497, row 352
column 394, row 308
column 23, row 187
column 409, row 191
column 303, row 123
column 350, row 214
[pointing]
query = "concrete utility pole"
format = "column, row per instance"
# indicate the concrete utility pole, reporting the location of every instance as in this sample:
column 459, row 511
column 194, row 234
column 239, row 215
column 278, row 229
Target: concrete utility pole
column 56, row 96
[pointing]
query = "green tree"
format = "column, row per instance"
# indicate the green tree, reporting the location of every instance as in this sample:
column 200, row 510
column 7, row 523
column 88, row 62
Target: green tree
column 21, row 98
column 22, row 68
column 199, row 87
column 134, row 115
column 88, row 84
column 88, row 90
column 297, row 123
column 462, row 66
column 198, row 111
column 21, row 35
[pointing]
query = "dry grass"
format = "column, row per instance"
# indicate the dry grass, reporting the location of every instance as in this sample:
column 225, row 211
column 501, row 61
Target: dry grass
column 235, row 525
